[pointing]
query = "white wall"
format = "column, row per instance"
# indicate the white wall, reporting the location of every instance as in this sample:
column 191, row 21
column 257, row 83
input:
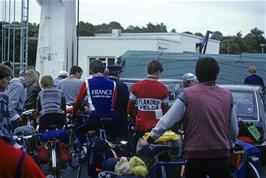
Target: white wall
column 57, row 36
column 109, row 47
column 106, row 45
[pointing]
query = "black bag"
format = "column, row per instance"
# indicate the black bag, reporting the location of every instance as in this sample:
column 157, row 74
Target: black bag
column 98, row 151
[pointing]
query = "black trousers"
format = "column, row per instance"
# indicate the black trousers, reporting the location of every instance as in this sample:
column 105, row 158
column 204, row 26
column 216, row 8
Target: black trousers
column 213, row 167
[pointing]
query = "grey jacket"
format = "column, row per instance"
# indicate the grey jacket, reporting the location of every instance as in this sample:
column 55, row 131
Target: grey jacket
column 16, row 93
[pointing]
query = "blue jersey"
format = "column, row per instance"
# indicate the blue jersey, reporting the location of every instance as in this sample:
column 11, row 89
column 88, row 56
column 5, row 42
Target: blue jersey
column 102, row 93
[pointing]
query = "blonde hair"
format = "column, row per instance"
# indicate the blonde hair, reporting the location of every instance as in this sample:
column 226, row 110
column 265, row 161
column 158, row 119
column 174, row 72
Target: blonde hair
column 47, row 81
column 32, row 75
column 252, row 69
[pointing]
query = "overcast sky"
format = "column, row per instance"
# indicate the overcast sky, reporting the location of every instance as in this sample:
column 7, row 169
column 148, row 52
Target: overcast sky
column 226, row 16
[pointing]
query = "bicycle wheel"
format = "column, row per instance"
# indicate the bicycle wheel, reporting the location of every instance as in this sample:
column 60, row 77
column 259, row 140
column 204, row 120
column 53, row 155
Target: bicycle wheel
column 251, row 171
column 76, row 151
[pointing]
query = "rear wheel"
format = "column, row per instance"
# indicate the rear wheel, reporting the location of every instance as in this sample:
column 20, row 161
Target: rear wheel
column 251, row 171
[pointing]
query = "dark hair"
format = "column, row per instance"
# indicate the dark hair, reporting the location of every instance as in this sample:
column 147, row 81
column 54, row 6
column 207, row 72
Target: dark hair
column 207, row 69
column 96, row 66
column 4, row 71
column 75, row 69
column 154, row 66
column 8, row 64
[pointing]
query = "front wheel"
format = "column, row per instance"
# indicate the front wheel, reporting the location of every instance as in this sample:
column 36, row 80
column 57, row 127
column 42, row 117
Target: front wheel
column 252, row 171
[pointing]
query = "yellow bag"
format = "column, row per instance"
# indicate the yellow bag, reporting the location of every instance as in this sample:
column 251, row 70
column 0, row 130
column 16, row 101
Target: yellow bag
column 168, row 136
column 138, row 166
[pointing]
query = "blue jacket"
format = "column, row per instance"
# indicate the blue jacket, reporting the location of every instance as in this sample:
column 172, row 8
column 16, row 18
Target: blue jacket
column 120, row 110
column 16, row 92
column 254, row 79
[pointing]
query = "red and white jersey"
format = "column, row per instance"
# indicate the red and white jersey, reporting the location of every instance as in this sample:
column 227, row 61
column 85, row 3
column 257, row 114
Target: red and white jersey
column 149, row 96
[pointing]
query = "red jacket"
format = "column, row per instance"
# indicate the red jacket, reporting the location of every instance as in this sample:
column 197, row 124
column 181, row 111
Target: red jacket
column 9, row 159
column 152, row 100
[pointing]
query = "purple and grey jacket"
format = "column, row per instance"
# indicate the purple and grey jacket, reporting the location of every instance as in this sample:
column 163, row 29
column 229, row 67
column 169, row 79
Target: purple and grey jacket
column 210, row 121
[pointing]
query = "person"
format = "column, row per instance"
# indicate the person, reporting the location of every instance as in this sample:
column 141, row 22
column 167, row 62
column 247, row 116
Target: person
column 5, row 124
column 8, row 64
column 151, row 97
column 101, row 98
column 253, row 78
column 210, row 123
column 120, row 111
column 33, row 90
column 61, row 75
column 189, row 79
column 10, row 164
column 51, row 105
column 16, row 91
column 71, row 85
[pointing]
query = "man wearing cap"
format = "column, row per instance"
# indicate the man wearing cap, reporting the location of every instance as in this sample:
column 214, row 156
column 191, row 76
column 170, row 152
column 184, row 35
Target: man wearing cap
column 61, row 75
column 253, row 78
column 189, row 80
column 120, row 111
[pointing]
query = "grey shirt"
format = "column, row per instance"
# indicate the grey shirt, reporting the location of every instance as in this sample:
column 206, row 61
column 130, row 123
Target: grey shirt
column 70, row 88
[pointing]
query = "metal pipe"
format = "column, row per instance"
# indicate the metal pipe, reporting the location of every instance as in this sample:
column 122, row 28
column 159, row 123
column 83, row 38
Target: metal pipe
column 27, row 31
column 21, row 37
column 77, row 55
column 8, row 33
column 14, row 36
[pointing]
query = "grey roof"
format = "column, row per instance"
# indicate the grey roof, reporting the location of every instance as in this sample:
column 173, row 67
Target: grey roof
column 233, row 68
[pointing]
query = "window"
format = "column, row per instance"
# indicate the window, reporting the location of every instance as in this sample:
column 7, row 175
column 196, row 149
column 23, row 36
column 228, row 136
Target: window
column 245, row 104
column 107, row 60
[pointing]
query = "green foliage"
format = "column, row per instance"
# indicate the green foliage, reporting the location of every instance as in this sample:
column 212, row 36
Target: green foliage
column 229, row 44
column 198, row 34
column 238, row 44
column 187, row 32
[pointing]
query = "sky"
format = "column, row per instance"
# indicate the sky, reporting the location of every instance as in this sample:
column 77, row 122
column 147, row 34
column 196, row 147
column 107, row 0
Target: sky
column 228, row 17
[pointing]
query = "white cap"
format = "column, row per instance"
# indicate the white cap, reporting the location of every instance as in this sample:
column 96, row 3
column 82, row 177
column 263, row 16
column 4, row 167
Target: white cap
column 63, row 73
column 189, row 76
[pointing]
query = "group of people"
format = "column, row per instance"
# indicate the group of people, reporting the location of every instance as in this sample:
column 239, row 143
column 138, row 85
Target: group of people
column 205, row 110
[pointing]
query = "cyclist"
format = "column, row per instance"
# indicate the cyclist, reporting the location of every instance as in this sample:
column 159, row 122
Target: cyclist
column 51, row 104
column 101, row 94
column 210, row 123
column 120, row 111
column 14, row 162
column 151, row 98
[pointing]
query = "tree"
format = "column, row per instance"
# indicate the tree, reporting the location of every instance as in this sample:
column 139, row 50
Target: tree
column 198, row 34
column 173, row 31
column 217, row 35
column 187, row 32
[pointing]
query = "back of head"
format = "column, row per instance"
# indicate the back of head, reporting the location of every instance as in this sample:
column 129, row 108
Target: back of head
column 8, row 64
column 114, row 70
column 154, row 66
column 207, row 69
column 47, row 81
column 252, row 70
column 75, row 69
column 96, row 66
column 4, row 71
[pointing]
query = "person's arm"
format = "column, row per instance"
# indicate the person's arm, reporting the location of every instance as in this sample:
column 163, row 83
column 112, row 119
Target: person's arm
column 63, row 104
column 132, row 105
column 174, row 114
column 114, row 95
column 233, row 125
column 262, row 84
column 14, row 93
column 165, row 102
column 81, row 96
column 38, row 105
